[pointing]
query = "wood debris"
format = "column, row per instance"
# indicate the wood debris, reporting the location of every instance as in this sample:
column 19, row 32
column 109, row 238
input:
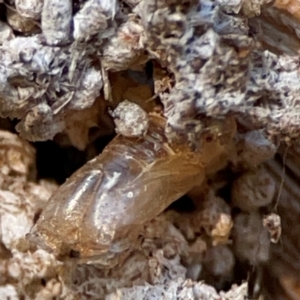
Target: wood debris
column 185, row 117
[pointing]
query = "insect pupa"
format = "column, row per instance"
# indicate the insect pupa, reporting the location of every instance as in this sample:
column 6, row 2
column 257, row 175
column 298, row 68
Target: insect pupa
column 100, row 208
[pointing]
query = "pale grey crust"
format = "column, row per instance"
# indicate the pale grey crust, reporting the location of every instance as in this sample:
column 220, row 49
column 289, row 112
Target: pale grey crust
column 56, row 21
column 219, row 66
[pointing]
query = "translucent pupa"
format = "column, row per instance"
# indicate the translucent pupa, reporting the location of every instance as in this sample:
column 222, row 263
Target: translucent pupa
column 99, row 210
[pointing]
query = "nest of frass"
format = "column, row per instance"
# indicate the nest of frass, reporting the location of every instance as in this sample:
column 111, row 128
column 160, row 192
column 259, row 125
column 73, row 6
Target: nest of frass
column 190, row 109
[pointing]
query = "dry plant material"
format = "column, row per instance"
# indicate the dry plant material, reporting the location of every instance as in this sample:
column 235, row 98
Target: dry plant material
column 251, row 240
column 22, row 267
column 284, row 254
column 20, row 23
column 272, row 222
column 93, row 17
column 31, row 9
column 221, row 232
column 133, row 86
column 56, row 21
column 253, row 189
column 130, row 119
column 79, row 122
column 218, row 67
column 47, row 92
column 179, row 289
column 292, row 6
column 253, row 148
column 16, row 155
column 126, row 47
column 211, row 66
column 220, row 262
column 209, row 49
column 6, row 33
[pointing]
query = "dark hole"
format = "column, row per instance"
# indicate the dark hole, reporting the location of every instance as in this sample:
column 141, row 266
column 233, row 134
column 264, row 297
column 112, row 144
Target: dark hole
column 8, row 124
column 197, row 95
column 74, row 254
column 183, row 204
column 271, row 286
column 235, row 211
column 102, row 142
column 56, row 162
column 170, row 36
column 65, row 70
column 2, row 12
column 190, row 40
column 37, row 216
column 149, row 69
column 43, row 282
column 225, row 192
column 172, row 8
column 209, row 139
column 77, row 4
column 184, row 8
column 241, row 271
column 4, row 252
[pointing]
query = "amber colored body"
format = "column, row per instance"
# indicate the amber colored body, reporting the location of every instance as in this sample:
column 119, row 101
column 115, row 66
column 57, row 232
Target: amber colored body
column 100, row 208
